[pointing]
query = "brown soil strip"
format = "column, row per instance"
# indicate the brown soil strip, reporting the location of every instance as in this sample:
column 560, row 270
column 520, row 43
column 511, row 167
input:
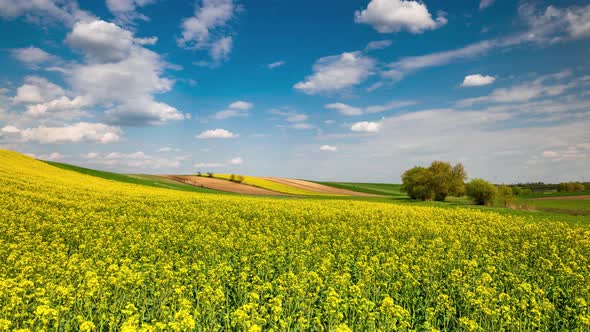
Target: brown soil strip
column 569, row 198
column 316, row 187
column 223, row 185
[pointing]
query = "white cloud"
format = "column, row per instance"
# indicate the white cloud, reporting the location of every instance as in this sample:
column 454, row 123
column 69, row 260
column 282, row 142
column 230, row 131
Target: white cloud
column 31, row 56
column 102, row 41
column 328, row 148
column 366, row 127
column 120, row 75
column 37, row 90
column 79, row 132
column 301, row 126
column 168, row 149
column 388, row 106
column 134, row 160
column 290, row 116
column 216, row 133
column 556, row 24
column 125, row 11
column 549, row 26
column 344, row 109
column 378, row 45
column 241, row 105
column 477, row 80
column 220, row 49
column 525, row 91
column 337, row 72
column 10, row 130
column 275, row 64
column 483, row 4
column 232, row 162
column 142, row 111
column 236, row 109
column 54, row 156
column 204, row 30
column 236, row 161
column 397, row 70
column 41, row 11
column 349, row 110
column 62, row 108
column 388, row 16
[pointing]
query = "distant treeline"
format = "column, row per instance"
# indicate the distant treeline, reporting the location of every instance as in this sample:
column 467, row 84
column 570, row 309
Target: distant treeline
column 564, row 186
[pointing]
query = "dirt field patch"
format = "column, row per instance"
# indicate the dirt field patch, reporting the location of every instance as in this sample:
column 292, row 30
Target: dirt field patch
column 316, row 187
column 222, row 185
column 569, row 198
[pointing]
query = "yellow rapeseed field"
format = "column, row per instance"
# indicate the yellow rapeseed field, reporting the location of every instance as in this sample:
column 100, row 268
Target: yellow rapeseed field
column 82, row 253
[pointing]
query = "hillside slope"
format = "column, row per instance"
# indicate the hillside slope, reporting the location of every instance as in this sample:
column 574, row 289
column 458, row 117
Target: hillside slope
column 78, row 252
column 144, row 180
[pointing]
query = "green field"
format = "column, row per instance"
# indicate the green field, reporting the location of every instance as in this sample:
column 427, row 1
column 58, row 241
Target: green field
column 140, row 179
column 569, row 206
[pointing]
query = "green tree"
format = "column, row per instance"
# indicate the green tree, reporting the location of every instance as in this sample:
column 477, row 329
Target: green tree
column 481, row 191
column 505, row 195
column 516, row 191
column 458, row 181
column 437, row 181
column 416, row 183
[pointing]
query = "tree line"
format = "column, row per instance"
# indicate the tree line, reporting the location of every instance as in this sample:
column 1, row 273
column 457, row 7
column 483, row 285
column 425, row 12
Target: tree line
column 441, row 179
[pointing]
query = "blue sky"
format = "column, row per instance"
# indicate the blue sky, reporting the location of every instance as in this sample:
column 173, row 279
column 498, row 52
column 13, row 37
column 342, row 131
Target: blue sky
column 343, row 90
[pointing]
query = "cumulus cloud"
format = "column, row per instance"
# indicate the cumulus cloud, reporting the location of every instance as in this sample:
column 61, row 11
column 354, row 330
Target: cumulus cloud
column 63, row 108
column 31, row 56
column 37, row 90
column 366, row 127
column 120, row 74
column 275, row 64
column 349, row 110
column 76, row 133
column 102, row 41
column 204, row 30
column 330, row 148
column 388, row 16
column 236, row 109
column 216, row 133
column 337, row 72
column 477, row 80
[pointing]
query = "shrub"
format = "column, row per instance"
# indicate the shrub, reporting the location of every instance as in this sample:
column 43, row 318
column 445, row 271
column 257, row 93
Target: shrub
column 505, row 195
column 239, row 178
column 209, row 174
column 481, row 191
column 571, row 186
column 199, row 174
column 526, row 191
column 416, row 183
